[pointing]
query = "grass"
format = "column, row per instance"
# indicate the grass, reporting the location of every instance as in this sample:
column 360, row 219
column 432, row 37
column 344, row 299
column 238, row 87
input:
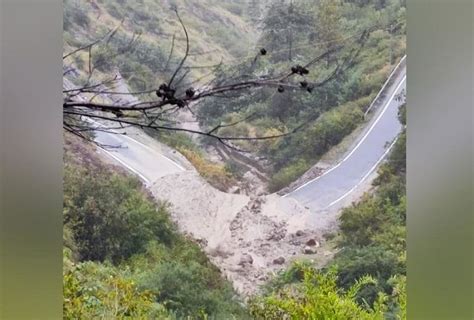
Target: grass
column 219, row 176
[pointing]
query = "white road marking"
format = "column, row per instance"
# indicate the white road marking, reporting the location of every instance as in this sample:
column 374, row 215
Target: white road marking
column 142, row 145
column 127, row 166
column 360, row 142
column 384, row 85
column 156, row 152
column 364, row 177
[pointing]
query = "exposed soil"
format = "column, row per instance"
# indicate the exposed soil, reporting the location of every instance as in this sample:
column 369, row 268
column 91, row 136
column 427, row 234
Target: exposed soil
column 248, row 238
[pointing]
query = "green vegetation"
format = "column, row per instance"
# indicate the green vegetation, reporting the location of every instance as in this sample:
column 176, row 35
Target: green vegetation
column 373, row 232
column 217, row 29
column 367, row 278
column 232, row 32
column 140, row 267
column 316, row 295
column 125, row 259
column 99, row 222
column 293, row 34
column 220, row 176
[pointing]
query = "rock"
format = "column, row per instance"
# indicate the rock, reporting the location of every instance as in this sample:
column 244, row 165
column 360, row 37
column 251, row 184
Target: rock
column 235, row 224
column 279, row 260
column 309, row 250
column 312, row 243
column 202, row 242
column 299, row 233
column 235, row 190
column 295, row 243
column 245, row 259
column 276, row 235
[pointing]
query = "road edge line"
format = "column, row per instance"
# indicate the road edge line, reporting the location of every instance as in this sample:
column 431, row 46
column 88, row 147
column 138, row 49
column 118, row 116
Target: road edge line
column 358, row 144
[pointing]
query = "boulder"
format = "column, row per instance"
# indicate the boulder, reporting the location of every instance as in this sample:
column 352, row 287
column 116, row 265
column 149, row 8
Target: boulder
column 309, row 250
column 245, row 259
column 279, row 260
column 312, row 243
column 299, row 233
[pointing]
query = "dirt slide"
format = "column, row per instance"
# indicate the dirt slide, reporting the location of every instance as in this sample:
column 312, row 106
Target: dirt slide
column 248, row 238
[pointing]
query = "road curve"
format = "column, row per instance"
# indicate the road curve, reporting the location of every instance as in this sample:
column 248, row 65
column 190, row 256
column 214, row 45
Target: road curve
column 329, row 190
column 147, row 162
column 142, row 160
column 326, row 191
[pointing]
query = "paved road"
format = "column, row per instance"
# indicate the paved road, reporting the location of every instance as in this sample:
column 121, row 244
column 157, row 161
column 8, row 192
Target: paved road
column 333, row 187
column 326, row 191
column 144, row 161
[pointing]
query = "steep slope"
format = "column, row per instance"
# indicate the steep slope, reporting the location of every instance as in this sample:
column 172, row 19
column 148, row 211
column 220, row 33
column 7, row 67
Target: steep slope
column 217, row 30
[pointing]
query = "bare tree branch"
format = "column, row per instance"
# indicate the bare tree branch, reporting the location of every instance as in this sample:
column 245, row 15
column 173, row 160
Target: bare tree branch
column 186, row 53
column 156, row 113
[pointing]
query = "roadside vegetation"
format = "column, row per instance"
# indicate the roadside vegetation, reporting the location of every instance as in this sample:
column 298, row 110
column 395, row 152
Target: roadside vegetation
column 290, row 33
column 367, row 277
column 124, row 258
column 149, row 45
column 373, row 232
column 220, row 176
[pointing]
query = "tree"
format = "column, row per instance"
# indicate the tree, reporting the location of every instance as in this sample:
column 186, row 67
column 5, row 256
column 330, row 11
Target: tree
column 285, row 25
column 159, row 103
column 329, row 30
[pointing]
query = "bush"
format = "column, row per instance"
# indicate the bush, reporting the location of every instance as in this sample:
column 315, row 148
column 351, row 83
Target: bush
column 189, row 289
column 94, row 291
column 332, row 127
column 287, row 175
column 216, row 174
column 109, row 216
column 378, row 262
column 318, row 297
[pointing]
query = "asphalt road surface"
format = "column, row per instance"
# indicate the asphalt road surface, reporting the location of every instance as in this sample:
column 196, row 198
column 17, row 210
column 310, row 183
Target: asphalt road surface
column 336, row 185
column 144, row 161
column 326, row 191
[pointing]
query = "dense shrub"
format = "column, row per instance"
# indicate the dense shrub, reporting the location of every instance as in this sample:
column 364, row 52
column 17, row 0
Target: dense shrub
column 109, row 216
column 143, row 268
column 287, row 175
column 318, row 297
column 373, row 232
column 216, row 174
column 95, row 291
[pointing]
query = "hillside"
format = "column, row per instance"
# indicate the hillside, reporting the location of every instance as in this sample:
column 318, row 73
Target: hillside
column 218, row 31
column 223, row 37
column 324, row 115
column 218, row 246
column 123, row 257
